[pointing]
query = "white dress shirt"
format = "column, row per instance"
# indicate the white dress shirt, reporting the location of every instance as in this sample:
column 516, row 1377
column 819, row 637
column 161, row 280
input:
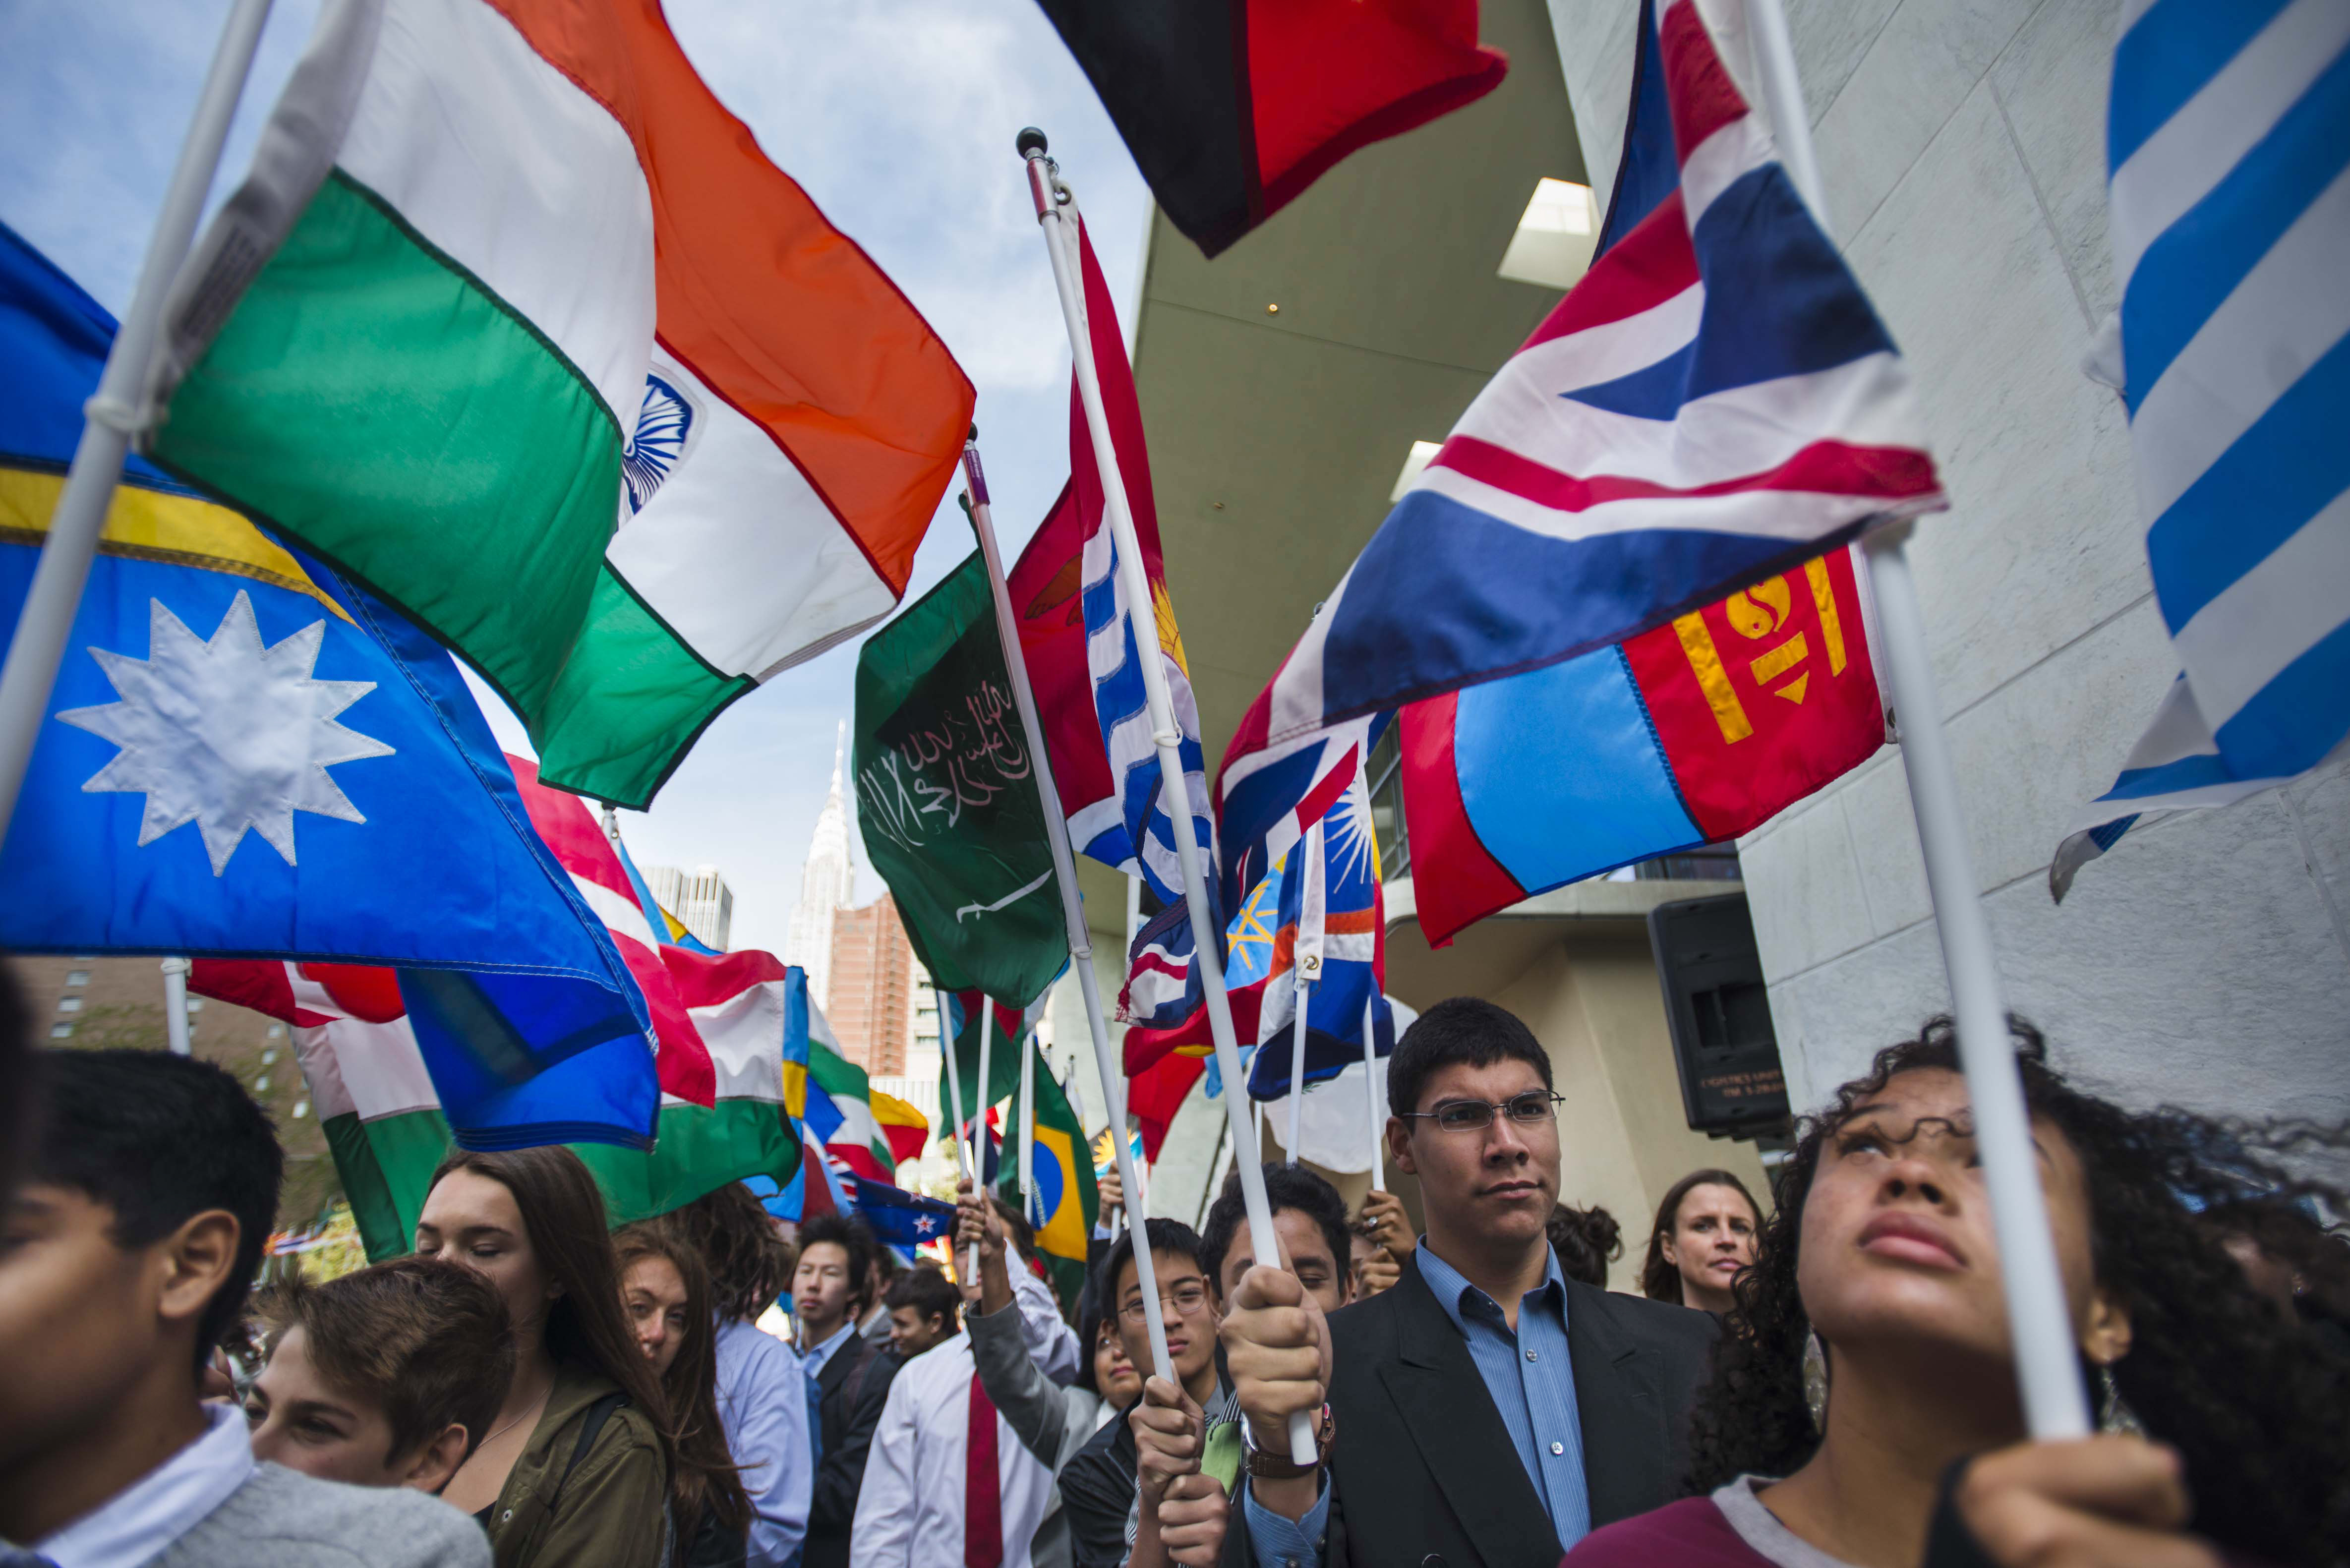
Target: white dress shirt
column 1052, row 1343
column 763, row 1403
column 909, row 1513
column 137, row 1523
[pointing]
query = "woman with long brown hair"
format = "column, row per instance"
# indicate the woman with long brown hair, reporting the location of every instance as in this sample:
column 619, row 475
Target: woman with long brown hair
column 665, row 1289
column 1704, row 1235
column 574, row 1470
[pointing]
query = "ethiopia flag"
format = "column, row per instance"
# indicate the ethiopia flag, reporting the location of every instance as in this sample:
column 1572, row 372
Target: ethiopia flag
column 512, row 321
column 946, row 795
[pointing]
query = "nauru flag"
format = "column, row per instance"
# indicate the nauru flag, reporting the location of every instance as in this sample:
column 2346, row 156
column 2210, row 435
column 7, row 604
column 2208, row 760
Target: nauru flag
column 513, row 321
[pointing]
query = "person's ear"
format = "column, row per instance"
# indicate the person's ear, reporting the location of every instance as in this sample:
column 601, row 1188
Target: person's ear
column 1400, row 1146
column 1671, row 1253
column 2107, row 1332
column 439, row 1460
column 195, row 1261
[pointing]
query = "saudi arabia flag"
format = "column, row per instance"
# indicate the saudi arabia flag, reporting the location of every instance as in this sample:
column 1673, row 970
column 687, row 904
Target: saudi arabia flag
column 947, row 797
column 512, row 322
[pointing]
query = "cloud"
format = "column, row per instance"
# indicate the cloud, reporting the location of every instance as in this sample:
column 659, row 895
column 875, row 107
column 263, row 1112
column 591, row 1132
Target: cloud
column 897, row 116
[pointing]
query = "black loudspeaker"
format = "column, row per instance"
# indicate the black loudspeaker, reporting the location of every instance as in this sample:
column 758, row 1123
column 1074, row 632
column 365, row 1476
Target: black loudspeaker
column 1731, row 1086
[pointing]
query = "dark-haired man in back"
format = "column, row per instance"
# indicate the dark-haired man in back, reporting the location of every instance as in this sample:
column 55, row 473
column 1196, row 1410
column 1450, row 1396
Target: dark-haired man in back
column 146, row 1200
column 848, row 1376
column 1486, row 1410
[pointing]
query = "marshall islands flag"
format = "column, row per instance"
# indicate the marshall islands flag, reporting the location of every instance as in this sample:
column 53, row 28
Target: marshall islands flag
column 512, row 322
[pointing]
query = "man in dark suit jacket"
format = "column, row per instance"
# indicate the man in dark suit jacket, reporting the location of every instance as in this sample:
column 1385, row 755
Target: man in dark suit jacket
column 1486, row 1412
column 851, row 1376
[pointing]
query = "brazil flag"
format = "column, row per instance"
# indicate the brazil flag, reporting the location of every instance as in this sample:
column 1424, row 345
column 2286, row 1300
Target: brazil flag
column 1065, row 1204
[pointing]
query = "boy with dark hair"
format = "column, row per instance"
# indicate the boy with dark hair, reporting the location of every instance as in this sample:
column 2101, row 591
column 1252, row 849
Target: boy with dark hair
column 1102, row 1487
column 1458, row 1399
column 922, row 1312
column 146, row 1201
column 848, row 1376
column 388, row 1376
column 1311, row 1220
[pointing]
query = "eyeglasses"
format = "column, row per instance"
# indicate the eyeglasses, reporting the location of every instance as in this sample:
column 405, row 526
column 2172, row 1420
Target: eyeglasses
column 1476, row 1116
column 1186, row 1299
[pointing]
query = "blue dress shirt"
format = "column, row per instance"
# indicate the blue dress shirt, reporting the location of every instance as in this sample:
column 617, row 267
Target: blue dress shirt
column 1529, row 1377
column 762, row 1405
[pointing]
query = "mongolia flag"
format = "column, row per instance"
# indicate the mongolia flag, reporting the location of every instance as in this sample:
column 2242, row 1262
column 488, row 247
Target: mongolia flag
column 1078, row 636
column 1692, row 733
column 1713, row 405
column 513, row 321
column 1231, row 107
column 246, row 754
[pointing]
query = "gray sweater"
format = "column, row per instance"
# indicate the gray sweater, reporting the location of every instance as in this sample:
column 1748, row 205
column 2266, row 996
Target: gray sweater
column 280, row 1518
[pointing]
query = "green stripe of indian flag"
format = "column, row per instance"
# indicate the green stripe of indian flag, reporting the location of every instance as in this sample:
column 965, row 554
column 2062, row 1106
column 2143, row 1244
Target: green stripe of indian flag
column 452, row 322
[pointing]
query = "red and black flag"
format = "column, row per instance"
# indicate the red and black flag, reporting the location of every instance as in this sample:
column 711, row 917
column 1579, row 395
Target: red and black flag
column 1231, row 107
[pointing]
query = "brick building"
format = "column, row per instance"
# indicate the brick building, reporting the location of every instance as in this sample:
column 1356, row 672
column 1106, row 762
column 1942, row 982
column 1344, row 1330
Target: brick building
column 101, row 1002
column 873, row 987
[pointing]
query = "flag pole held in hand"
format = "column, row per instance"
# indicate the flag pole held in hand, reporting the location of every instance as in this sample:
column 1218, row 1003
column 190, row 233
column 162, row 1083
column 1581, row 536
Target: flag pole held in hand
column 979, row 1112
column 1051, row 195
column 954, row 1085
column 1306, row 963
column 2047, row 1363
column 1064, row 875
column 1371, row 1098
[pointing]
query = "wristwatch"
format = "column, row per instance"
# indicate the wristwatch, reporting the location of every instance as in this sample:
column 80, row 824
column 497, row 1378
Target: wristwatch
column 1268, row 1464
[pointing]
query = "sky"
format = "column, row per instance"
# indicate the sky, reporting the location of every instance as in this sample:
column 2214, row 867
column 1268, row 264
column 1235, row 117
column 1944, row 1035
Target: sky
column 897, row 116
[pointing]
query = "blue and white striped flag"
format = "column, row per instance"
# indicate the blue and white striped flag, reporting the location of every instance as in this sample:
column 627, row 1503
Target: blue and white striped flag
column 2227, row 143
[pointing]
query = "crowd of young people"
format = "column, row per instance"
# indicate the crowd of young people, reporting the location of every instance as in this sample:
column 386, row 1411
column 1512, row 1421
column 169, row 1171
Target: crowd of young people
column 1823, row 1380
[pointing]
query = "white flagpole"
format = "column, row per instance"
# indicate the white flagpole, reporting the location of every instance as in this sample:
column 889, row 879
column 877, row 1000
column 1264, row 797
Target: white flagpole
column 1072, row 914
column 1027, row 1131
column 979, row 1116
column 1049, row 192
column 1371, row 1099
column 175, row 1005
column 964, row 1167
column 2047, row 1364
column 112, row 417
column 1308, row 964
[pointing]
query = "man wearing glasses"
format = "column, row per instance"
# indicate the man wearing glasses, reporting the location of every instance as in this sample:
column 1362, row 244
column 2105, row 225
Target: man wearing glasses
column 1486, row 1410
column 1097, row 1484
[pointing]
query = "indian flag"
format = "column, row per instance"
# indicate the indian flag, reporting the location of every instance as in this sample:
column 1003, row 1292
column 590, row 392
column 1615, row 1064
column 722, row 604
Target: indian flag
column 513, row 321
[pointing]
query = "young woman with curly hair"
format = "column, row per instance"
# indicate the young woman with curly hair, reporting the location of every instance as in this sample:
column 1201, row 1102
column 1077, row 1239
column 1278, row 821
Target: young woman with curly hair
column 666, row 1290
column 1882, row 1248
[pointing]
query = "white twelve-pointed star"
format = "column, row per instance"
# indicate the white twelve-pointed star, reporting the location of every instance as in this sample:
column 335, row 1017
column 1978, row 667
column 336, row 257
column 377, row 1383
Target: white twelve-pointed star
column 227, row 734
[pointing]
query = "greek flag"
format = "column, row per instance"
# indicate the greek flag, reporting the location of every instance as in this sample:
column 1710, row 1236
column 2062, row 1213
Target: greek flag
column 2229, row 146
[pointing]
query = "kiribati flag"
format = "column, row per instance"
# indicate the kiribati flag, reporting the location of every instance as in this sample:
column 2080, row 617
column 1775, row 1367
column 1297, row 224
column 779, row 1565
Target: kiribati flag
column 1715, row 403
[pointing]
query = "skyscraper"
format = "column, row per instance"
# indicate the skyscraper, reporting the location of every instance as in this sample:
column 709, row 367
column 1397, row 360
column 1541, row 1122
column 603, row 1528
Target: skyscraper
column 700, row 898
column 825, row 888
column 873, row 1003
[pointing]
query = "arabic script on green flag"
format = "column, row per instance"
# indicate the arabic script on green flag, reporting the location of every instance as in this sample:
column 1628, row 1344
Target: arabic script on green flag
column 946, row 796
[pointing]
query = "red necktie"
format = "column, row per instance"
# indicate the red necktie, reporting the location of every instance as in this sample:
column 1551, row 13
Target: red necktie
column 983, row 1491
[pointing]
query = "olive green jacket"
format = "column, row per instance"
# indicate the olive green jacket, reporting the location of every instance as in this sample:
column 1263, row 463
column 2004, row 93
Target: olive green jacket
column 609, row 1512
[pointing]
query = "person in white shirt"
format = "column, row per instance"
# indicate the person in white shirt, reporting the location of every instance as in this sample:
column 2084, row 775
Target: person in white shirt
column 128, row 1250
column 947, row 1484
column 761, row 1387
